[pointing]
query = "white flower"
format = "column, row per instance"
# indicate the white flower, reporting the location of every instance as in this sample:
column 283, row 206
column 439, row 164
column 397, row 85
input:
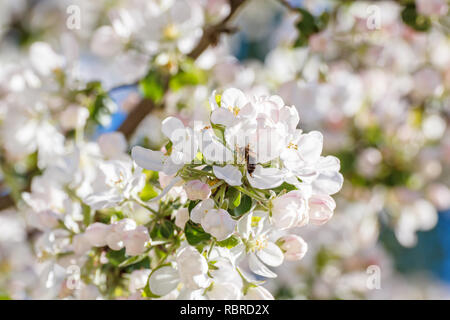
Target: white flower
column 184, row 149
column 217, row 222
column 232, row 102
column 192, row 269
column 321, row 207
column 290, row 210
column 260, row 249
column 121, row 182
column 293, row 246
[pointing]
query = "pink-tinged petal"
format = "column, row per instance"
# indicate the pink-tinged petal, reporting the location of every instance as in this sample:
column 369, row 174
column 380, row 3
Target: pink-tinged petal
column 197, row 190
column 321, row 207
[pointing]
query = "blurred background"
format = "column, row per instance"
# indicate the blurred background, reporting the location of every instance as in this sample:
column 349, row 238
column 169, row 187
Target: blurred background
column 372, row 76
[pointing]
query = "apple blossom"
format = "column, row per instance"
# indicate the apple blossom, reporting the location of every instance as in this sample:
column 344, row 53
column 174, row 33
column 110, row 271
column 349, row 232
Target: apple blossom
column 293, row 246
column 290, row 210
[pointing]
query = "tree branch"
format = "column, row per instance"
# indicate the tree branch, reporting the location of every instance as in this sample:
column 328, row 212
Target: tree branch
column 211, row 35
column 6, row 201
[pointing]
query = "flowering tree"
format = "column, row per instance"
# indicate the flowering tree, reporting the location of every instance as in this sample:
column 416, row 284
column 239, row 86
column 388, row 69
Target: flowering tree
column 215, row 172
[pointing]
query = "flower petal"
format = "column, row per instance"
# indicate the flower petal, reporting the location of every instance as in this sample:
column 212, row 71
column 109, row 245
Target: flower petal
column 148, row 159
column 201, row 209
column 233, row 98
column 271, row 255
column 229, row 173
column 163, row 280
column 310, row 146
column 266, row 178
column 259, row 268
column 328, row 182
column 170, row 125
column 223, row 117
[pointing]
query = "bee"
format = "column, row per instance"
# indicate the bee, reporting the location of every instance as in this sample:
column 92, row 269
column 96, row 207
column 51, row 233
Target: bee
column 250, row 160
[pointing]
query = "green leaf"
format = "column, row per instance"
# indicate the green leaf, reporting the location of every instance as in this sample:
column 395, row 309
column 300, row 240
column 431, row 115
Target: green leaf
column 229, row 243
column 306, row 27
column 163, row 230
column 244, row 207
column 195, row 233
column 167, row 228
column 152, row 86
column 148, row 192
column 192, row 205
column 189, row 75
column 132, row 260
column 234, row 198
column 412, row 18
column 116, row 257
column 219, row 131
column 284, row 186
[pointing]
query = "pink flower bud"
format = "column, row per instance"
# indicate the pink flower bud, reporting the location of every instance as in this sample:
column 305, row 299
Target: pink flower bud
column 290, row 210
column 197, row 190
column 80, row 244
column 135, row 241
column 293, row 246
column 96, row 234
column 321, row 207
column 118, row 232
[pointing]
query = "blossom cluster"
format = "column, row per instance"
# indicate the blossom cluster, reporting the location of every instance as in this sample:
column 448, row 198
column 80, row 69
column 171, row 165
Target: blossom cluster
column 212, row 200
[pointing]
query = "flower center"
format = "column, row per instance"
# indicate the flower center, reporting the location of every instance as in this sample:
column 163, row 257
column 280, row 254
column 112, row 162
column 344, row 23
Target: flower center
column 171, row 32
column 235, row 110
column 257, row 244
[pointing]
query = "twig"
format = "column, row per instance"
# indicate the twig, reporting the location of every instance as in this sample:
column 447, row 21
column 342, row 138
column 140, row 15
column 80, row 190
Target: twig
column 210, row 36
